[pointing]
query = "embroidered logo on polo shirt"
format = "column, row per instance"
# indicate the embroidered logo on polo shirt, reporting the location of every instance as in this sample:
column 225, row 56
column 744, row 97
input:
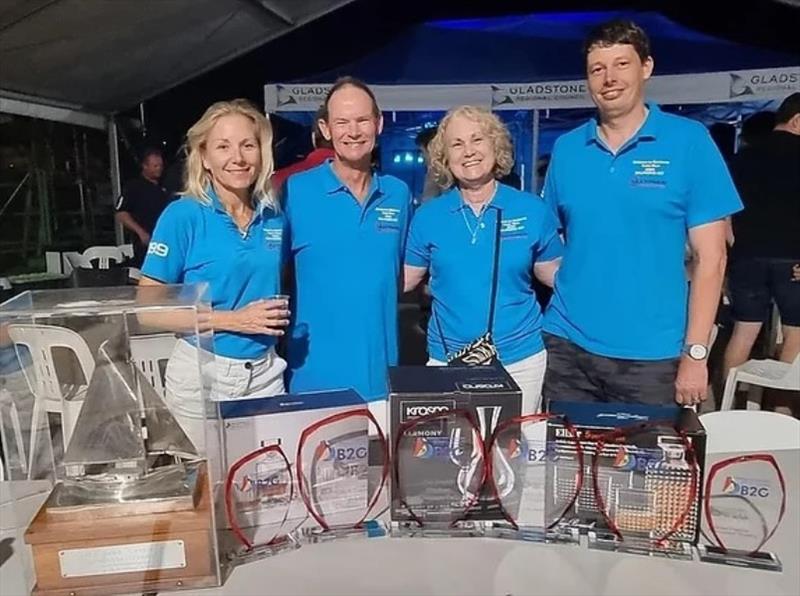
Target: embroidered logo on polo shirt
column 513, row 227
column 649, row 172
column 388, row 218
column 273, row 237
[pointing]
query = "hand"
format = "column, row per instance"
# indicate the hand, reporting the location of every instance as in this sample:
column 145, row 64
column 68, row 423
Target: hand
column 144, row 238
column 268, row 317
column 691, row 384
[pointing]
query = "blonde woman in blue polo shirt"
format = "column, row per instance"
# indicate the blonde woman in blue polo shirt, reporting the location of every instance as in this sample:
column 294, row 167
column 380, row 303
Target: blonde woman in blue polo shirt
column 227, row 231
column 453, row 239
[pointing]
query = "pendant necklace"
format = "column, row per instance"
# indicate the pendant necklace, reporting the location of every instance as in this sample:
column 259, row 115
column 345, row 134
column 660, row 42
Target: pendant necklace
column 473, row 232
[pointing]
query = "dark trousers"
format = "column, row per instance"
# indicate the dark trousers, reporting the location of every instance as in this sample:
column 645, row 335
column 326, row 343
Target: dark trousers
column 573, row 374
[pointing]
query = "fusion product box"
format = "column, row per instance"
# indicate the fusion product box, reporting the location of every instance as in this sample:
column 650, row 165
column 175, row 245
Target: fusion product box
column 438, row 462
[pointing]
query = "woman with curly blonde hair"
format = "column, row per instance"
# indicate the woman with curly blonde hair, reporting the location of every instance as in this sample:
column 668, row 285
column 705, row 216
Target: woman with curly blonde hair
column 458, row 237
column 227, row 231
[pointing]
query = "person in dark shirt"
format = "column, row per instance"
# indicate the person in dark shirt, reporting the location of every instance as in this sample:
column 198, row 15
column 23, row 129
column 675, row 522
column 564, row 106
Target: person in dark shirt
column 765, row 258
column 142, row 202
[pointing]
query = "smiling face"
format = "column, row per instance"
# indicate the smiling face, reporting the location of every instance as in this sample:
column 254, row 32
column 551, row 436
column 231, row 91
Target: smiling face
column 232, row 153
column 616, row 76
column 352, row 125
column 470, row 152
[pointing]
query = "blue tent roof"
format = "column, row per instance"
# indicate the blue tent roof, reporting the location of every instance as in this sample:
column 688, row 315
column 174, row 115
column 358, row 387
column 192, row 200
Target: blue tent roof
column 538, row 47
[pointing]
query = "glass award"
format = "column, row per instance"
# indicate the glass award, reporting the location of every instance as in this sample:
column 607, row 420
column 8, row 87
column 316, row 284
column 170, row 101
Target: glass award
column 439, row 475
column 520, row 476
column 259, row 494
column 743, row 506
column 341, row 490
column 645, row 484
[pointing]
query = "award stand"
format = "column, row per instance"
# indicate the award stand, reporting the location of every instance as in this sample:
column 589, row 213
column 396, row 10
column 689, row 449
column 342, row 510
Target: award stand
column 645, row 483
column 259, row 492
column 439, row 474
column 743, row 506
column 334, row 477
column 520, row 473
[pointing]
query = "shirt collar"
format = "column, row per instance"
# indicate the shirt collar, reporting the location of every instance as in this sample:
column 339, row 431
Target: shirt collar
column 333, row 184
column 648, row 130
column 456, row 202
column 220, row 208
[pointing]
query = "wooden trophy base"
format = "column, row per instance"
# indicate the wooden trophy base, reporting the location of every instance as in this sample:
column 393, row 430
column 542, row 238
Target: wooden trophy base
column 109, row 553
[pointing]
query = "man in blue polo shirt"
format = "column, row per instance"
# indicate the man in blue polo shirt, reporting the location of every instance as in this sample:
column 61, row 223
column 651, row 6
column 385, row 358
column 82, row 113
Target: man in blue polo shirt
column 630, row 188
column 347, row 225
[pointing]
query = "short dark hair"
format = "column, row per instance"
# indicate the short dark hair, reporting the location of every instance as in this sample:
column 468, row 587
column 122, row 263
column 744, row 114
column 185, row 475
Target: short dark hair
column 342, row 82
column 618, row 31
column 320, row 142
column 149, row 152
column 788, row 109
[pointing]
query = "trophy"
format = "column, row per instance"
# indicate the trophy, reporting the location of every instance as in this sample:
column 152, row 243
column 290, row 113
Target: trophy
column 339, row 487
column 743, row 506
column 645, row 485
column 521, row 476
column 259, row 495
column 439, row 472
column 131, row 509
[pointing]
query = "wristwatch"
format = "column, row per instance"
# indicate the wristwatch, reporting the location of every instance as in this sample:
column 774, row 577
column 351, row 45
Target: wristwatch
column 696, row 351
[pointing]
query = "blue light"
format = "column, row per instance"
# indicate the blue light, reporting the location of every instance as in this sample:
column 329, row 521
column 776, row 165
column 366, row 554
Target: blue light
column 409, row 158
column 420, row 159
column 397, row 158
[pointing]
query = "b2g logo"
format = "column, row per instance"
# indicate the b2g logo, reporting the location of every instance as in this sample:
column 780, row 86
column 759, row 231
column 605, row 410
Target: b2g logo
column 158, row 249
column 341, row 454
column 745, row 487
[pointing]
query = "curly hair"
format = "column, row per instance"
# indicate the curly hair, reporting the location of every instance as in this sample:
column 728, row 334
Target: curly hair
column 494, row 129
column 197, row 179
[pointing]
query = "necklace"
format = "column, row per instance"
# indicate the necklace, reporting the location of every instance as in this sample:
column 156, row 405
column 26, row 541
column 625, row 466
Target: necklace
column 479, row 225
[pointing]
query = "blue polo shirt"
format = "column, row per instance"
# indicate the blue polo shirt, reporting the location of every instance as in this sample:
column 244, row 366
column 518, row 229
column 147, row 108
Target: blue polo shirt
column 621, row 291
column 196, row 242
column 461, row 272
column 347, row 259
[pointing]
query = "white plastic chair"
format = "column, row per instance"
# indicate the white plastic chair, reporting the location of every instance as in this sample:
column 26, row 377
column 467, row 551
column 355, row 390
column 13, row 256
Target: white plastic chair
column 104, row 255
column 42, row 378
column 148, row 351
column 7, row 404
column 736, row 431
column 763, row 373
column 75, row 260
column 126, row 250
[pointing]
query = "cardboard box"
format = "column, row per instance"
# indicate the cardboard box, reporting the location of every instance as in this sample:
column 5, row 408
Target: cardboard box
column 641, row 475
column 489, row 394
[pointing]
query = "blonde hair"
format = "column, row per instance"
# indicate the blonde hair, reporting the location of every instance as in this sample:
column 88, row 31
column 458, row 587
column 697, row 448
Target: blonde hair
column 491, row 126
column 197, row 179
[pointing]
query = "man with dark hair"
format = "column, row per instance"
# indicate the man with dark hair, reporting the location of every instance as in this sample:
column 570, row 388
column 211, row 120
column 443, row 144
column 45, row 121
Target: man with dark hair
column 322, row 150
column 629, row 188
column 142, row 202
column 765, row 259
column 347, row 227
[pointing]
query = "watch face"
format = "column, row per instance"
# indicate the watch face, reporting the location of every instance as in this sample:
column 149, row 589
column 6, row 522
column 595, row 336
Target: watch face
column 698, row 351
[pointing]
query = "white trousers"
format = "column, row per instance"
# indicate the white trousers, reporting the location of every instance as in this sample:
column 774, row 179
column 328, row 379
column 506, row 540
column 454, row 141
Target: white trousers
column 528, row 374
column 224, row 378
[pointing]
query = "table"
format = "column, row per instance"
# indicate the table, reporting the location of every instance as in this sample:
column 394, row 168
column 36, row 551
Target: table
column 468, row 566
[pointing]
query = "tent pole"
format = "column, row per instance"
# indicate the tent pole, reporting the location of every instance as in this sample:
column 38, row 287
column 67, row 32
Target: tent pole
column 116, row 182
column 534, row 187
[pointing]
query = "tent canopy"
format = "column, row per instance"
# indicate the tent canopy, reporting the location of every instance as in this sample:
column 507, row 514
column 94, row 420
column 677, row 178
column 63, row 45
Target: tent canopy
column 107, row 56
column 539, row 47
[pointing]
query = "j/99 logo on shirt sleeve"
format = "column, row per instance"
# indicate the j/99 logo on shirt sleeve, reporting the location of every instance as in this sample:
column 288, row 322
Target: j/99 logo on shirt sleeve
column 158, row 249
